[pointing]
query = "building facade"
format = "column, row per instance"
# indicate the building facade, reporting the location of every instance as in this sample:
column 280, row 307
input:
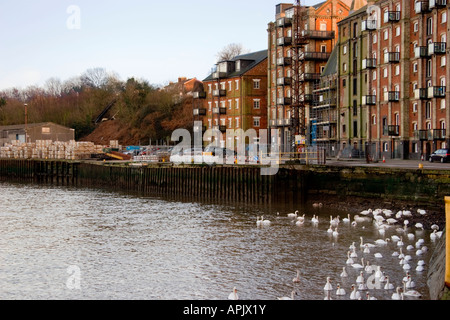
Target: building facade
column 317, row 27
column 234, row 96
column 392, row 73
column 33, row 132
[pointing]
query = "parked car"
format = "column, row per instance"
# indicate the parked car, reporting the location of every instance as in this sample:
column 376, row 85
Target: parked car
column 218, row 155
column 442, row 155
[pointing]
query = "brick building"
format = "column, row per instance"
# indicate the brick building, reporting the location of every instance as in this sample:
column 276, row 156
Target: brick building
column 319, row 25
column 234, row 96
column 393, row 99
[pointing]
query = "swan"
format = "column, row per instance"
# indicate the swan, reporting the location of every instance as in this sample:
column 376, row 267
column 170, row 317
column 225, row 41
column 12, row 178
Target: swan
column 362, row 287
column 357, row 265
column 420, row 263
column 340, row 291
column 363, row 244
column 395, row 238
column 300, row 222
column 381, row 241
column 419, row 252
column 315, row 219
column 349, row 259
column 293, row 215
column 388, row 285
column 297, row 278
column 396, row 295
column 418, row 225
column 335, row 232
column 395, row 254
column 400, row 242
column 265, row 222
column 420, row 268
column 354, row 223
column 293, row 293
column 360, row 278
column 301, row 218
column 401, row 255
column 370, row 268
column 378, row 273
column 233, row 295
column 369, row 297
column 406, row 266
column 355, row 295
column 410, row 283
column 346, row 220
column 258, row 221
column 378, row 255
column 366, row 212
column 366, row 249
column 391, row 221
column 434, row 227
column 410, row 247
column 328, row 285
column 433, row 236
column 344, row 273
column 411, row 236
column 330, row 229
column 407, row 213
column 411, row 293
column 352, row 246
column 421, row 212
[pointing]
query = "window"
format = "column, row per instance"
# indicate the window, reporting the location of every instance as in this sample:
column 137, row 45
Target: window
column 323, row 26
column 230, row 123
column 415, row 67
column 230, row 104
column 230, row 87
column 444, row 17
column 237, row 104
column 344, row 83
column 442, row 103
column 355, row 129
column 45, row 130
column 374, row 75
column 374, row 40
column 385, row 72
column 237, row 122
column 237, row 84
column 256, row 103
column 256, row 122
column 428, row 110
column 323, row 48
column 397, row 31
column 355, row 108
column 429, row 26
column 256, row 84
column 209, row 106
column 385, row 34
column 355, row 29
column 344, row 66
column 429, row 67
column 374, row 119
column 416, row 27
column 385, row 146
column 209, row 88
column 397, row 119
column 344, row 50
column 414, row 108
column 397, row 70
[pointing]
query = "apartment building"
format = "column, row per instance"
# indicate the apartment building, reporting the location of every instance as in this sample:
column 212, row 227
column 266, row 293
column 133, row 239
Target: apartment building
column 392, row 73
column 234, row 96
column 317, row 28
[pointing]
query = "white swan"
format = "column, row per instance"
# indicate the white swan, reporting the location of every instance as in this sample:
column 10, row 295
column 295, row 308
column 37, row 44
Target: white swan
column 355, row 295
column 297, row 278
column 344, row 273
column 400, row 242
column 335, row 232
column 418, row 225
column 360, row 278
column 293, row 293
column 340, row 291
column 258, row 221
column 233, row 295
column 330, row 229
column 421, row 212
column 265, row 222
column 366, row 249
column 368, row 297
column 378, row 255
column 411, row 293
column 396, row 295
column 362, row 244
column 378, row 273
column 420, row 263
column 315, row 219
column 357, row 265
column 353, row 254
column 410, row 283
column 395, row 238
column 328, row 285
column 420, row 268
column 346, row 220
column 388, row 285
column 349, row 259
column 411, row 236
column 293, row 215
column 381, row 241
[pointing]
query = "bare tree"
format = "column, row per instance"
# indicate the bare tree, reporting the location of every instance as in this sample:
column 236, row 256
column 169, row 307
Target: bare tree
column 54, row 87
column 230, row 51
column 95, row 78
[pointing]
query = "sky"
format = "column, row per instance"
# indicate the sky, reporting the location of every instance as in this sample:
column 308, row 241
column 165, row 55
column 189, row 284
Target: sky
column 157, row 41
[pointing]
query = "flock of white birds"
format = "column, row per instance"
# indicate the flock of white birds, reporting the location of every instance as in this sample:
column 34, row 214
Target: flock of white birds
column 371, row 276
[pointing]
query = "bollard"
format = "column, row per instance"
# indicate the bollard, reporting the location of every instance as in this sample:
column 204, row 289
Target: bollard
column 447, row 241
column 420, row 166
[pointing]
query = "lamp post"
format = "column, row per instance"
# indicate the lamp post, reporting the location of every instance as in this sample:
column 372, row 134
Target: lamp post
column 26, row 122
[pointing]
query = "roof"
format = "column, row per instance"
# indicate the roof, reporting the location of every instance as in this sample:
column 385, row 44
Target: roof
column 255, row 57
column 331, row 66
column 30, row 125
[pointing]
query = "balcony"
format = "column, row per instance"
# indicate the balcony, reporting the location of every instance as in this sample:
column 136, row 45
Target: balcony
column 286, row 81
column 392, row 96
column 284, row 122
column 273, row 123
column 437, row 48
column 199, row 95
column 284, row 61
column 392, row 57
column 421, row 135
column 310, row 77
column 421, row 52
column 437, row 4
column 393, row 131
column 421, row 93
column 421, row 7
column 308, row 98
column 391, row 16
column 315, row 56
column 369, row 25
column 370, row 100
column 370, row 63
column 316, row 34
column 439, row 134
column 436, row 92
column 219, row 110
column 219, row 93
column 284, row 101
column 284, row 41
column 284, row 22
column 200, row 112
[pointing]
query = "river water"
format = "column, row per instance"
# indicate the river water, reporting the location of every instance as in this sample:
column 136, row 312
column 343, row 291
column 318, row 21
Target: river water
column 68, row 243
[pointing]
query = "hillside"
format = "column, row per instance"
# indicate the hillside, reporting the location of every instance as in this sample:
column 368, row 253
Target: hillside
column 111, row 130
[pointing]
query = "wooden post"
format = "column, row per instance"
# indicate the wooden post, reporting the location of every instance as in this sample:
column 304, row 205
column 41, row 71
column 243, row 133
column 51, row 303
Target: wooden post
column 447, row 241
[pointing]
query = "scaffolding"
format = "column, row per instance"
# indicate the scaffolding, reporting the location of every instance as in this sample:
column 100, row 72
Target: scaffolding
column 298, row 109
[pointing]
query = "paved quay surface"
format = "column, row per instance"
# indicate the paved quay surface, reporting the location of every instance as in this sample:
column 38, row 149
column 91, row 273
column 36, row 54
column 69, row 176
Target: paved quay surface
column 390, row 163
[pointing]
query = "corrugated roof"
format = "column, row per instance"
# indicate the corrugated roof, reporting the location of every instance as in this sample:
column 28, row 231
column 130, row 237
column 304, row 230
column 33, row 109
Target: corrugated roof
column 256, row 57
column 331, row 66
column 30, row 125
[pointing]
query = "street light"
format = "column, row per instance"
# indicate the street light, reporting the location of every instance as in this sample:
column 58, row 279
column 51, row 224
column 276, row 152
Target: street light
column 26, row 122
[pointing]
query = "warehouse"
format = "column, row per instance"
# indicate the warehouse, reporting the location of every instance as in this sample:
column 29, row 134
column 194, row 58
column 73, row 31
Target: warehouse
column 35, row 132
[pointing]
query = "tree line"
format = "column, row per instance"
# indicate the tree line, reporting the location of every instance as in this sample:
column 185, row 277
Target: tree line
column 143, row 110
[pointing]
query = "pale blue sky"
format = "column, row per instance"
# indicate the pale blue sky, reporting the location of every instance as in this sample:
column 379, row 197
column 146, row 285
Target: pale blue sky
column 158, row 41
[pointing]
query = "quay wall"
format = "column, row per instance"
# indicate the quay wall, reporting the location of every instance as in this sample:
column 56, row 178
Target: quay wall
column 291, row 185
